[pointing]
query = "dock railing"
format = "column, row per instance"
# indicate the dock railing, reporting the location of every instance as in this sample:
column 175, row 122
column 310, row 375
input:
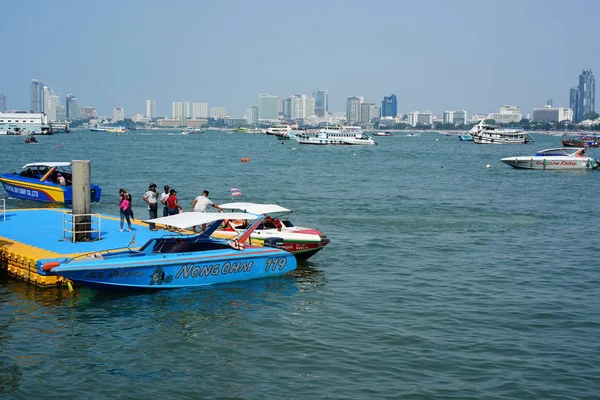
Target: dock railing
column 87, row 224
column 3, row 209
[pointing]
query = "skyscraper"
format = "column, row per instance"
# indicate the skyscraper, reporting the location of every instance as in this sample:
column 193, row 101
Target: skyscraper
column 268, row 107
column 353, row 110
column 73, row 112
column 2, row 102
column 252, row 115
column 181, row 109
column 587, row 92
column 37, row 96
column 151, row 108
column 321, row 102
column 199, row 110
column 582, row 99
column 389, row 106
column 118, row 114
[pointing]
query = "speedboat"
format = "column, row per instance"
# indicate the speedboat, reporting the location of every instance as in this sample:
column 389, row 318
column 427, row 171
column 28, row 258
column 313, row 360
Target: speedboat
column 282, row 131
column 559, row 158
column 383, row 133
column 38, row 182
column 489, row 134
column 176, row 260
column 30, row 139
column 192, row 131
column 581, row 141
column 346, row 135
column 465, row 138
column 301, row 242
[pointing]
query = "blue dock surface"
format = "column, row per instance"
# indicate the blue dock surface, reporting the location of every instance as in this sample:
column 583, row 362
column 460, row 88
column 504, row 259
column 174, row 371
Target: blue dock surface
column 30, row 235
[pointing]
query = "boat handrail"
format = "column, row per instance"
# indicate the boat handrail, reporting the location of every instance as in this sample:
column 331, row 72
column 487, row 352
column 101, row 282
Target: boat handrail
column 70, row 226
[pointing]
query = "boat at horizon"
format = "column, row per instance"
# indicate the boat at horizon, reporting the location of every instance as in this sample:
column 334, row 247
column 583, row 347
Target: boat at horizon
column 382, row 133
column 345, row 135
column 177, row 260
column 565, row 158
column 192, row 131
column 38, row 182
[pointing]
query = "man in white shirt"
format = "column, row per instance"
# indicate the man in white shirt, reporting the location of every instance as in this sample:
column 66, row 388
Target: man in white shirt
column 151, row 198
column 60, row 179
column 201, row 202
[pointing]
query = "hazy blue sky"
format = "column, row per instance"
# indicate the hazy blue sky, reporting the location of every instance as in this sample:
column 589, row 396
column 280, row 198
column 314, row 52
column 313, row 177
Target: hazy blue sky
column 434, row 55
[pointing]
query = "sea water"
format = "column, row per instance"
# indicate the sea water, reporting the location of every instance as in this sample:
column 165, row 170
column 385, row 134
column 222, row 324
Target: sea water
column 443, row 279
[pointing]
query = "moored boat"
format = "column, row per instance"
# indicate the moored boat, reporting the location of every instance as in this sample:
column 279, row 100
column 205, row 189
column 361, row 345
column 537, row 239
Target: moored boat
column 282, row 131
column 39, row 182
column 301, row 242
column 489, row 134
column 566, row 158
column 175, row 260
column 465, row 138
column 382, row 133
column 192, row 131
column 581, row 141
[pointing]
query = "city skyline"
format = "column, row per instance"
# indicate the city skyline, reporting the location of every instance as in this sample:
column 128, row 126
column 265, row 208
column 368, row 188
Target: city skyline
column 432, row 57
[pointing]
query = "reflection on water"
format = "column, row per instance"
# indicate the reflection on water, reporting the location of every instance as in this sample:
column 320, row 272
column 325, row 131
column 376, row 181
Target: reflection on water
column 10, row 378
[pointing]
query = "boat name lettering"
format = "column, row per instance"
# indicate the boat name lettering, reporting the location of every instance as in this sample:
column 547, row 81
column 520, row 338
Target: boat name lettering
column 23, row 192
column 274, row 263
column 125, row 274
column 573, row 163
column 94, row 275
column 194, row 271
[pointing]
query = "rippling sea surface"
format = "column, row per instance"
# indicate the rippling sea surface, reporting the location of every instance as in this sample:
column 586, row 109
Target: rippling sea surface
column 443, row 278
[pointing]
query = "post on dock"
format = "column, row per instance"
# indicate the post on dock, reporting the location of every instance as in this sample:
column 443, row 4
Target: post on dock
column 82, row 200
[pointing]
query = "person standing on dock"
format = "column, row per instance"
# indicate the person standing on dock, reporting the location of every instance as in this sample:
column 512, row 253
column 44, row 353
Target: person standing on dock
column 151, row 198
column 124, row 209
column 163, row 199
column 173, row 203
column 201, row 202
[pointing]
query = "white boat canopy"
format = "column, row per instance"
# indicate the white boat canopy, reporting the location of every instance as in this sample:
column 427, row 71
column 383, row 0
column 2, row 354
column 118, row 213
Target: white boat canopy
column 48, row 164
column 256, row 208
column 190, row 219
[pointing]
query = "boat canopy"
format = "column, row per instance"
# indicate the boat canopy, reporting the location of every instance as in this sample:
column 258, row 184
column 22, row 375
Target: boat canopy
column 562, row 151
column 190, row 219
column 47, row 164
column 255, row 208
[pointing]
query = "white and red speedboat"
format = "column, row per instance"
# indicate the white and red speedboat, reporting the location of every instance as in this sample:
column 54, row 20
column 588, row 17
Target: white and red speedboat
column 275, row 230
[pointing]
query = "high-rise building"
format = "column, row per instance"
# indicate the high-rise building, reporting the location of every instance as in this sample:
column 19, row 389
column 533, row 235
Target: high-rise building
column 299, row 107
column 268, row 107
column 587, row 94
column 181, row 109
column 574, row 102
column 89, row 112
column 368, row 113
column 72, row 108
column 36, row 96
column 321, row 102
column 218, row 112
column 252, row 115
column 61, row 113
column 151, row 108
column 353, row 110
column 118, row 114
column 448, row 117
column 460, row 117
column 389, row 106
column 2, row 102
column 550, row 114
column 51, row 102
column 199, row 110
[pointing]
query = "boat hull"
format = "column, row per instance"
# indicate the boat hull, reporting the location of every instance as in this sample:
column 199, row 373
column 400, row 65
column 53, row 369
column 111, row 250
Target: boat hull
column 552, row 163
column 143, row 271
column 303, row 244
column 32, row 189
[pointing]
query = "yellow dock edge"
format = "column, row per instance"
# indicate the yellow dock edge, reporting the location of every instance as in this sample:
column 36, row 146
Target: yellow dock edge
column 20, row 261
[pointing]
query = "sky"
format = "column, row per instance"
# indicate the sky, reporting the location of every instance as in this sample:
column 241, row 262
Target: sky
column 433, row 55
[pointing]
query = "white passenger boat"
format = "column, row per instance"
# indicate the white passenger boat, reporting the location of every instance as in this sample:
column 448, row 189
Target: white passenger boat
column 345, row 135
column 282, row 131
column 559, row 158
column 489, row 134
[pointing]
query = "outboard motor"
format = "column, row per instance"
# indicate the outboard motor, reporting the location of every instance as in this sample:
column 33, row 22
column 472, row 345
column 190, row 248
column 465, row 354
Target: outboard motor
column 276, row 242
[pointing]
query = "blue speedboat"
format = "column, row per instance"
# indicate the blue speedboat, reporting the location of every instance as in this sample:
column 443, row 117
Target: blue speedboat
column 176, row 260
column 44, row 181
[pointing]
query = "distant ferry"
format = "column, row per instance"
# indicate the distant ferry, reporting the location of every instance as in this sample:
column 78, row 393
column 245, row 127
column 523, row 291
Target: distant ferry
column 489, row 134
column 345, row 135
column 282, row 131
column 98, row 130
column 118, row 129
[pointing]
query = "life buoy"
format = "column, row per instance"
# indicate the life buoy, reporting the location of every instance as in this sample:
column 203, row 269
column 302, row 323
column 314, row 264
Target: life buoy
column 49, row 265
column 245, row 159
